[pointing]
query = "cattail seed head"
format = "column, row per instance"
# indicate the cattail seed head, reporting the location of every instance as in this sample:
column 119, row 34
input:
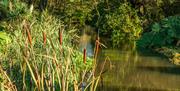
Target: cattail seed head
column 44, row 38
column 29, row 37
column 84, row 56
column 26, row 27
column 60, row 37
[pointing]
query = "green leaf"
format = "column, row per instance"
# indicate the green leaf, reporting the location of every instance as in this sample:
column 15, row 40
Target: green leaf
column 162, row 36
column 4, row 3
column 156, row 27
column 71, row 0
column 4, row 37
column 171, row 32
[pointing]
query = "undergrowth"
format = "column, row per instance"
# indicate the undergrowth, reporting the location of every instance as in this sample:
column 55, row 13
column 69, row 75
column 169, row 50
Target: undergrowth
column 41, row 56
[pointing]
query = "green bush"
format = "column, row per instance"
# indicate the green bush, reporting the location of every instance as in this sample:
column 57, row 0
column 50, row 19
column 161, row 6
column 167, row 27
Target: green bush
column 4, row 40
column 124, row 24
column 164, row 33
column 11, row 11
column 116, row 19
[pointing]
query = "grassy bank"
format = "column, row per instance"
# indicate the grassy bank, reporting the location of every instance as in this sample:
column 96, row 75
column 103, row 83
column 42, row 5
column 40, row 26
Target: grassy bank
column 40, row 55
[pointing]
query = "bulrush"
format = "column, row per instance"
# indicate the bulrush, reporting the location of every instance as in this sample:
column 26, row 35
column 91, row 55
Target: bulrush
column 97, row 47
column 60, row 37
column 84, row 56
column 29, row 37
column 44, row 39
column 26, row 26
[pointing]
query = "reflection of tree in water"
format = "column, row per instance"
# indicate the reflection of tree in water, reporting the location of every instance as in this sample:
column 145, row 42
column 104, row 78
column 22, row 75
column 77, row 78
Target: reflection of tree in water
column 122, row 62
column 87, row 40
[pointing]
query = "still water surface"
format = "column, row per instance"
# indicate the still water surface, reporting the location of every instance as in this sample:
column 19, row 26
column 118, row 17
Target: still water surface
column 141, row 70
column 133, row 70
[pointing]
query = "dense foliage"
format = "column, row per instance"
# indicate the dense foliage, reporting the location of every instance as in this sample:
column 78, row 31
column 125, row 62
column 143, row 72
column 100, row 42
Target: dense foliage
column 164, row 38
column 33, row 56
column 4, row 40
column 31, row 48
column 112, row 18
column 164, row 33
column 124, row 24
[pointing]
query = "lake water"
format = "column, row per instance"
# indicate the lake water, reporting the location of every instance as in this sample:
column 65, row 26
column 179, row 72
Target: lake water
column 140, row 70
column 129, row 69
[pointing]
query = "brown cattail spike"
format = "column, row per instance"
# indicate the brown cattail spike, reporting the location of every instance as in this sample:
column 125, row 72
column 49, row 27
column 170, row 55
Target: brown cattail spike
column 60, row 37
column 26, row 26
column 29, row 37
column 84, row 56
column 44, row 38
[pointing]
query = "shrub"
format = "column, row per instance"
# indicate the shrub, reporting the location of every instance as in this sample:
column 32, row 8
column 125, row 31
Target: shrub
column 124, row 24
column 164, row 33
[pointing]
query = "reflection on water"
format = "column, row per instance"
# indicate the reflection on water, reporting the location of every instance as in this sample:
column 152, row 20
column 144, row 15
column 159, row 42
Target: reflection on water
column 88, row 35
column 131, row 70
column 85, row 42
column 137, row 71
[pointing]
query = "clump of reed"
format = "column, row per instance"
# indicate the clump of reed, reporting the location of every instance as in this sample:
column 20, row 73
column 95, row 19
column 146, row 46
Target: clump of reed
column 43, row 58
column 5, row 82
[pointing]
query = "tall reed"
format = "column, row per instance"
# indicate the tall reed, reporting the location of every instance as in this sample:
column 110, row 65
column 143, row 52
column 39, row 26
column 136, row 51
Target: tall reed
column 45, row 57
column 43, row 66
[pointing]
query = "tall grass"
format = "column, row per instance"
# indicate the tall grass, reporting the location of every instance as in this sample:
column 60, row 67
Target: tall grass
column 43, row 57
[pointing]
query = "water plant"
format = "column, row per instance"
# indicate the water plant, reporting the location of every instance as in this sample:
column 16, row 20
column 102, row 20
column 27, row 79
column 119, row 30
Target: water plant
column 42, row 57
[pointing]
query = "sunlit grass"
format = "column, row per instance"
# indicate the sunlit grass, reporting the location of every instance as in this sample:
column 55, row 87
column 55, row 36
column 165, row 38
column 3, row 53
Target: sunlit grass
column 42, row 56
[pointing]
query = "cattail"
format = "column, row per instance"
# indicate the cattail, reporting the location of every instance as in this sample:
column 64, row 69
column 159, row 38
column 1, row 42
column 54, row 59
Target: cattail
column 29, row 37
column 27, row 28
column 44, row 38
column 97, row 47
column 84, row 56
column 97, row 44
column 60, row 37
